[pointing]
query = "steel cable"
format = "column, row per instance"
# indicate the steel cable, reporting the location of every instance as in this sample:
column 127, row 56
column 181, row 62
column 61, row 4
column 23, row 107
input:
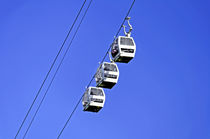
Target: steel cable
column 48, row 73
column 56, row 71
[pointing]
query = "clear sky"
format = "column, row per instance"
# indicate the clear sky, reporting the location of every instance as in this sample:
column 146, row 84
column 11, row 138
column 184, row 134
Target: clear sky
column 163, row 93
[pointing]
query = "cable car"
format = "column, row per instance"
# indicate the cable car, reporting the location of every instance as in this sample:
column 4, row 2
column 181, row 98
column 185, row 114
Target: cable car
column 124, row 47
column 107, row 75
column 93, row 99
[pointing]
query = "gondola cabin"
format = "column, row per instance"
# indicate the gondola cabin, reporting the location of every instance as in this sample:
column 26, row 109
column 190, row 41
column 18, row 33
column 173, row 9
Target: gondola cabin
column 107, row 75
column 123, row 49
column 93, row 99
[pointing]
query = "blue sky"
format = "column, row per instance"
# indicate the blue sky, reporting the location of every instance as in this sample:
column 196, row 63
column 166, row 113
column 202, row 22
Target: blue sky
column 163, row 93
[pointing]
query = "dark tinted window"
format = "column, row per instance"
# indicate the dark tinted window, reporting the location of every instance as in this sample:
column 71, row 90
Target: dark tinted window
column 110, row 76
column 126, row 41
column 127, row 50
column 110, row 67
column 97, row 92
column 97, row 100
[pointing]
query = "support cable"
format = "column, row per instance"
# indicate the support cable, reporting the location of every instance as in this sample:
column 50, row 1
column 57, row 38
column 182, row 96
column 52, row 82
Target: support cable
column 56, row 72
column 81, row 97
column 94, row 74
column 61, row 48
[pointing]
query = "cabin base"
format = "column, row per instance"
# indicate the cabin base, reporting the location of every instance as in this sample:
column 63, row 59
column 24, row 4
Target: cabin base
column 93, row 109
column 108, row 85
column 123, row 59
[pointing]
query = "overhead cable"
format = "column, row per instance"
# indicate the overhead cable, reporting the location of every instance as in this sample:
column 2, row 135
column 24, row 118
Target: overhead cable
column 56, row 72
column 48, row 73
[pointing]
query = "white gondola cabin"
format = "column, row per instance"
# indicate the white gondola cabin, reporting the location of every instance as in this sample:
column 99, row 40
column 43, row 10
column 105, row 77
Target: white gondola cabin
column 124, row 47
column 93, row 99
column 107, row 75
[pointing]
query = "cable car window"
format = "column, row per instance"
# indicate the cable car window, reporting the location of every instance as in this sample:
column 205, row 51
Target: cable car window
column 97, row 92
column 127, row 50
column 97, row 100
column 110, row 67
column 115, row 50
column 110, row 76
column 126, row 41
